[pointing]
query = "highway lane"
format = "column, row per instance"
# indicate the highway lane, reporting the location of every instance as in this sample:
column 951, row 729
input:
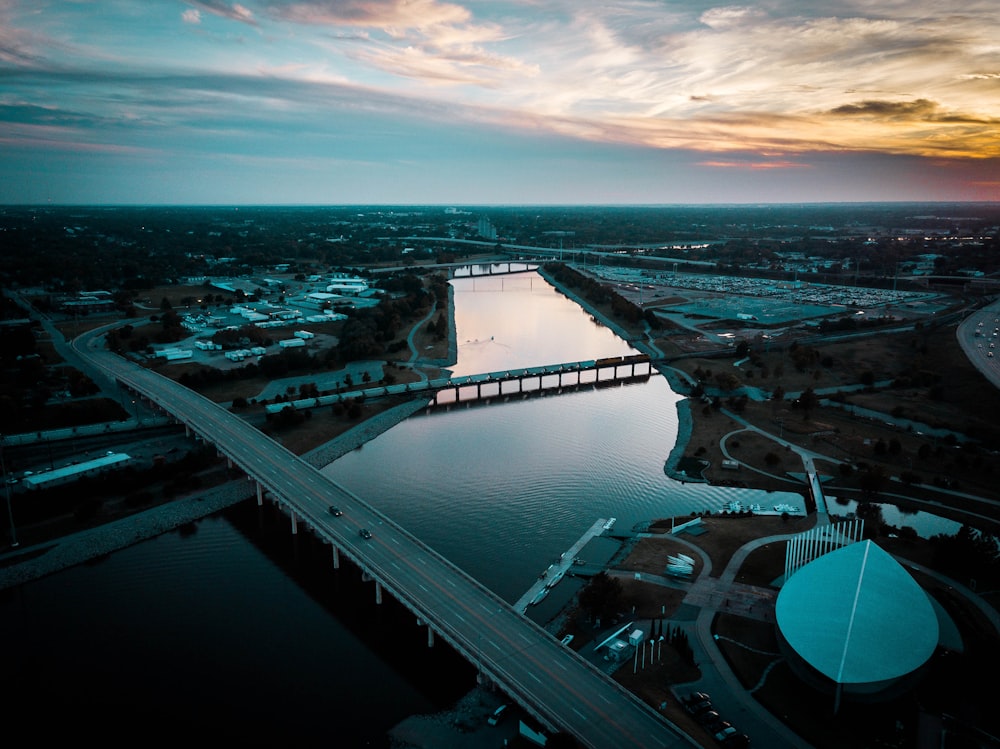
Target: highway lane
column 977, row 348
column 550, row 681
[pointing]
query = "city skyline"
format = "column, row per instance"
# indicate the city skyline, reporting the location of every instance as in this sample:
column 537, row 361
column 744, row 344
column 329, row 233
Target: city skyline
column 436, row 102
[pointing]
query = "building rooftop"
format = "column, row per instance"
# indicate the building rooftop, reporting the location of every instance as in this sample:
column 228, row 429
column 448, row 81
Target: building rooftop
column 857, row 616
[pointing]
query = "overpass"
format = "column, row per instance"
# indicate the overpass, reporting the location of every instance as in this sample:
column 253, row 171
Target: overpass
column 551, row 682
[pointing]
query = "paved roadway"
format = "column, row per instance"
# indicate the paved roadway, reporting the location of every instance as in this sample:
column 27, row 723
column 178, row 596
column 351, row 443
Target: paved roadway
column 549, row 680
column 977, row 348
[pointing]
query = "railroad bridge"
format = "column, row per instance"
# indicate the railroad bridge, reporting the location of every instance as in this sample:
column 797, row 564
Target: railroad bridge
column 448, row 390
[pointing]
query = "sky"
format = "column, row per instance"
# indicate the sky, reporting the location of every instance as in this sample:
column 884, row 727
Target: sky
column 517, row 102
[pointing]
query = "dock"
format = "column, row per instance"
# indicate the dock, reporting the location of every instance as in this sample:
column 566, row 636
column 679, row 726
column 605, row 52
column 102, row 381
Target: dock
column 558, row 569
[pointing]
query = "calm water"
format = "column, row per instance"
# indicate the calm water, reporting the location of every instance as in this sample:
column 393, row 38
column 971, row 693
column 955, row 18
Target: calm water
column 239, row 629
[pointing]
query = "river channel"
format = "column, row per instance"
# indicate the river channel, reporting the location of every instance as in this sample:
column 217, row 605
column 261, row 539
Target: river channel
column 234, row 629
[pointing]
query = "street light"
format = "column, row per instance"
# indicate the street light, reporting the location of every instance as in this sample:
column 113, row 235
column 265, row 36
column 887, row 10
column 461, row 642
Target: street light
column 6, row 482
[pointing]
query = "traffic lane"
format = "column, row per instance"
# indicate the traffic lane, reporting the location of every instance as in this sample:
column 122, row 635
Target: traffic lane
column 524, row 655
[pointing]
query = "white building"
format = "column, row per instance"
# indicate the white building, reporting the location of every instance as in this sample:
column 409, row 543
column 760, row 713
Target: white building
column 71, row 473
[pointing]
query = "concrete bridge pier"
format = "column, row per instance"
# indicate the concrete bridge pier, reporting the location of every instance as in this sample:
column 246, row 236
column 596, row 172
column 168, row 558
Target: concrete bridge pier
column 430, row 632
column 295, row 521
column 260, row 495
column 336, row 558
column 378, row 592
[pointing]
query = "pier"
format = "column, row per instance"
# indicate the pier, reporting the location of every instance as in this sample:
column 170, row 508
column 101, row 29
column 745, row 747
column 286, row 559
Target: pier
column 556, row 571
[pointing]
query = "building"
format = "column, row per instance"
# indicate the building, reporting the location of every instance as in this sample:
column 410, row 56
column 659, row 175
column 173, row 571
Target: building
column 854, row 622
column 64, row 475
column 485, row 228
column 343, row 284
column 292, row 343
column 174, row 353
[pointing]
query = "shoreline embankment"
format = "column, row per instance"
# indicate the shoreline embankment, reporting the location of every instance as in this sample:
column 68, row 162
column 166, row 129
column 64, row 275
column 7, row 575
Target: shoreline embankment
column 676, row 379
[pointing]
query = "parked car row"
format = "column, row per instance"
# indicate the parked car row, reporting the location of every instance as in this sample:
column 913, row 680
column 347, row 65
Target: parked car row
column 699, row 705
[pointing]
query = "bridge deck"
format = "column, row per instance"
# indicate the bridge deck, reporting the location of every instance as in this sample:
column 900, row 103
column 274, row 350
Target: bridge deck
column 560, row 568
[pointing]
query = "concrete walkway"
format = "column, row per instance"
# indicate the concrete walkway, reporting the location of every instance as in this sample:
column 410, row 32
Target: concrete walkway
column 731, row 699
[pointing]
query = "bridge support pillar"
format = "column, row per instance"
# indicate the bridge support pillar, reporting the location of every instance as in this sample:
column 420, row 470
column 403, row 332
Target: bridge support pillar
column 260, row 495
column 229, row 462
column 430, row 637
column 336, row 558
column 378, row 592
column 295, row 521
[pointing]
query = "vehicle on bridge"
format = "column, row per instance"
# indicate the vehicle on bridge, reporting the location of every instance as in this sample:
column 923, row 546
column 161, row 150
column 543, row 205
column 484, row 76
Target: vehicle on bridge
column 336, row 511
column 365, row 533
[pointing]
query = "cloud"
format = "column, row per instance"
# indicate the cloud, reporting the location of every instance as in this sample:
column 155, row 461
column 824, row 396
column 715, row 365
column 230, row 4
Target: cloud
column 889, row 110
column 383, row 14
column 754, row 164
column 232, row 11
column 192, row 16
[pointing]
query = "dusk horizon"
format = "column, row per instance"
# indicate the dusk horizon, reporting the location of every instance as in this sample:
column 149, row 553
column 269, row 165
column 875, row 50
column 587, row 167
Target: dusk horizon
column 388, row 102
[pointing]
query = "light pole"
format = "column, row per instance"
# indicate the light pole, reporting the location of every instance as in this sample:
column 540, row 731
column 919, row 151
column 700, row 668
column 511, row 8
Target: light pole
column 6, row 482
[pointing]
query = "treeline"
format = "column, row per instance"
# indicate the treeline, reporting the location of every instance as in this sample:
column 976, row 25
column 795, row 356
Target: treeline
column 599, row 294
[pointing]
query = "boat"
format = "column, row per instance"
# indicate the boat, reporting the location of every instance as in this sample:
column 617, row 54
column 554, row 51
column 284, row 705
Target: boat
column 540, row 596
column 555, row 579
column 608, row 525
column 679, row 570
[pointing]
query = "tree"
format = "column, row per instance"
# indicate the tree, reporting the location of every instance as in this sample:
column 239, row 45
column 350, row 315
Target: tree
column 602, row 597
column 807, row 401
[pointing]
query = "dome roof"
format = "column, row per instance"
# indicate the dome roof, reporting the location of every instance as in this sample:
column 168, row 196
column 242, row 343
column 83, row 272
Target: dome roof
column 857, row 616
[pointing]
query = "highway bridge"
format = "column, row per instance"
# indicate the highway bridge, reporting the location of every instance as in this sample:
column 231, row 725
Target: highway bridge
column 551, row 682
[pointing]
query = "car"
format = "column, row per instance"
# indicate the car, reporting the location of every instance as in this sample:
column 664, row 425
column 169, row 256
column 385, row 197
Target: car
column 696, row 708
column 736, row 741
column 696, row 697
column 497, row 715
column 708, row 718
column 336, row 511
column 724, row 731
column 365, row 533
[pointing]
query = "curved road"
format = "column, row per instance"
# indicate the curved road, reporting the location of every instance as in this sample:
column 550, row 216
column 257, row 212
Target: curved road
column 550, row 681
column 980, row 347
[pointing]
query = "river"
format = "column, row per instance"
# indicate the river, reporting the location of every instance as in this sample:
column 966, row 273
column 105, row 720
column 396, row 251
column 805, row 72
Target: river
column 236, row 630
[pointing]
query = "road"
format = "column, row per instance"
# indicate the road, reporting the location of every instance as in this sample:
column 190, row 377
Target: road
column 550, row 681
column 983, row 349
